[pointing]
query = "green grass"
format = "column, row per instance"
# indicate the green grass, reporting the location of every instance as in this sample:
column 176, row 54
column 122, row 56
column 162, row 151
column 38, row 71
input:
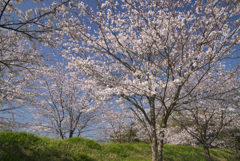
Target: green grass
column 22, row 146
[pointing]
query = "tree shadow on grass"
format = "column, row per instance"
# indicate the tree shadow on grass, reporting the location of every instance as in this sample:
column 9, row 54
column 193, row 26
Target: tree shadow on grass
column 16, row 152
column 22, row 146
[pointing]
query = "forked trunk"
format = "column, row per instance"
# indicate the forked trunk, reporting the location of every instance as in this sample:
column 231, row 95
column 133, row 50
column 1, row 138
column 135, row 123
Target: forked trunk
column 207, row 153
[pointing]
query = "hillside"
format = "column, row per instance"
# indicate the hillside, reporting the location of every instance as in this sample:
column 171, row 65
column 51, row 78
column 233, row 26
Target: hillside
column 22, row 146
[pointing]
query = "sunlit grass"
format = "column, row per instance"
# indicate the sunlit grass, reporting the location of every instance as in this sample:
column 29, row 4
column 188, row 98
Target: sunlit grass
column 22, row 146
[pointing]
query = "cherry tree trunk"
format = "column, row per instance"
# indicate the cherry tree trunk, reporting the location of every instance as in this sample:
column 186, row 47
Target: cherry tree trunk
column 71, row 133
column 61, row 134
column 160, row 146
column 207, row 153
column 154, row 147
column 161, row 143
column 153, row 129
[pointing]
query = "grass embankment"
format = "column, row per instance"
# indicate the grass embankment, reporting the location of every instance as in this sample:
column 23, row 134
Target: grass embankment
column 22, row 146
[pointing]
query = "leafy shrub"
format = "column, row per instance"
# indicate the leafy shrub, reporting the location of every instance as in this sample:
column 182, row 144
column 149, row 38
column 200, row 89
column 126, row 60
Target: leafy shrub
column 92, row 144
column 88, row 142
column 19, row 137
column 118, row 148
column 75, row 140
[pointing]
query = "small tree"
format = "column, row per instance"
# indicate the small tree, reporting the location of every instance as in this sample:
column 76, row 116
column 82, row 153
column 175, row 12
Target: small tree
column 230, row 137
column 214, row 110
column 116, row 124
column 64, row 104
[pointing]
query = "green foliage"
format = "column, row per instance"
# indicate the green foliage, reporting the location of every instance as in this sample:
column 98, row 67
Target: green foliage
column 22, row 146
column 118, row 149
column 89, row 143
column 75, row 140
column 19, row 137
column 92, row 144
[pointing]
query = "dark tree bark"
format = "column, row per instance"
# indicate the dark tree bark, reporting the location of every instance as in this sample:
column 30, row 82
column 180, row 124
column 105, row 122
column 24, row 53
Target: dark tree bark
column 207, row 153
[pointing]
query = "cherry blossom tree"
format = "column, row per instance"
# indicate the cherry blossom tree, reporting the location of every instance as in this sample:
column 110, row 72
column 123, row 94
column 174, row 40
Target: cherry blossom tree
column 64, row 104
column 12, row 123
column 117, row 124
column 230, row 137
column 17, row 60
column 216, row 107
column 33, row 22
column 203, row 125
column 155, row 52
column 20, row 31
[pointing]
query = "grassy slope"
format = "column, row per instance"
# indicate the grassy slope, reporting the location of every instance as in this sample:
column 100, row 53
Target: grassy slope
column 22, row 146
